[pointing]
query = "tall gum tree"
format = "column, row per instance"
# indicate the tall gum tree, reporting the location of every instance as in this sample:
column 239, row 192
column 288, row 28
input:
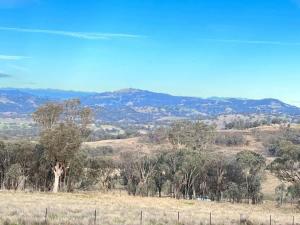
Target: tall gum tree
column 64, row 127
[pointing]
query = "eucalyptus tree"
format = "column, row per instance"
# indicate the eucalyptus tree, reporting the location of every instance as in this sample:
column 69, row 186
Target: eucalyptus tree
column 160, row 176
column 16, row 163
column 48, row 115
column 64, row 127
column 192, row 168
column 216, row 176
column 3, row 163
column 191, row 135
column 253, row 165
column 287, row 167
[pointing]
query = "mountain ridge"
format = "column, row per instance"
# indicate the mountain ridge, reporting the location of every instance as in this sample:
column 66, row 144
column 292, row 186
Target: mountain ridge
column 142, row 106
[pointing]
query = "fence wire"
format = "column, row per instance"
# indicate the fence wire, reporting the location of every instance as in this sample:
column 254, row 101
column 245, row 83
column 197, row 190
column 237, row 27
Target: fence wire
column 132, row 216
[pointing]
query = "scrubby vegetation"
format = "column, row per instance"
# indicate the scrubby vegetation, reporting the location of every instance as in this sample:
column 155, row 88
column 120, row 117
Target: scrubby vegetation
column 230, row 139
column 242, row 124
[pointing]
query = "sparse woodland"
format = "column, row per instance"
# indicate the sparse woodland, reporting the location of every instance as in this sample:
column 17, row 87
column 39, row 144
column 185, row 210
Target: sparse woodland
column 188, row 168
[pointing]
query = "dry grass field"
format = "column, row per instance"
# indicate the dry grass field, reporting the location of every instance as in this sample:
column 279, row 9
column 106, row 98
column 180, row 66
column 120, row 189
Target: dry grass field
column 119, row 208
column 136, row 144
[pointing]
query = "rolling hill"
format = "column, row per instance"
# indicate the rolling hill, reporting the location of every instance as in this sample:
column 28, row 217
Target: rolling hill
column 139, row 106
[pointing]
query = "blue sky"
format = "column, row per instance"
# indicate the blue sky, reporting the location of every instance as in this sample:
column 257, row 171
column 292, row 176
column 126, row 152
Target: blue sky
column 226, row 48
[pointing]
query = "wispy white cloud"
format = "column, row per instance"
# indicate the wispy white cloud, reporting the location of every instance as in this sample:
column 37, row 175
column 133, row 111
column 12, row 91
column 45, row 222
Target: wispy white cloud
column 12, row 57
column 254, row 42
column 81, row 35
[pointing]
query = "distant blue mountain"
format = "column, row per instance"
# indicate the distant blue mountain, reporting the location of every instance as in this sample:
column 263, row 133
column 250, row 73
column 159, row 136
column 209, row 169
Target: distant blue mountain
column 139, row 106
column 51, row 93
column 19, row 102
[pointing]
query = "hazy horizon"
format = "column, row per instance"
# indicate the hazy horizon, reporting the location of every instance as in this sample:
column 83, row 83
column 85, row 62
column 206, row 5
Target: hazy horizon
column 160, row 92
column 238, row 49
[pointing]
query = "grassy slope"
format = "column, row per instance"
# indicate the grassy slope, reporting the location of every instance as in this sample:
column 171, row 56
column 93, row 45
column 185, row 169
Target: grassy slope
column 138, row 144
column 119, row 208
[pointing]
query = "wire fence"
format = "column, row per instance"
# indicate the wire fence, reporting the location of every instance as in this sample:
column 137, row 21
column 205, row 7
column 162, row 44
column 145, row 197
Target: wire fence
column 143, row 217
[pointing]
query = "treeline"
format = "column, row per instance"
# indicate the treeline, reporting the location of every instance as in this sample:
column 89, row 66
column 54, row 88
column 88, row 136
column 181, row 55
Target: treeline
column 241, row 124
column 180, row 173
column 190, row 174
column 190, row 169
column 285, row 147
column 26, row 166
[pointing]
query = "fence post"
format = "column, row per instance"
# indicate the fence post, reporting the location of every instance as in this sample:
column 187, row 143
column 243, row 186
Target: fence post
column 95, row 217
column 46, row 215
column 141, row 222
column 293, row 220
column 270, row 219
column 210, row 218
column 178, row 217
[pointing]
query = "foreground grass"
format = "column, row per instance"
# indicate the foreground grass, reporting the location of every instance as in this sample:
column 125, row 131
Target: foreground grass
column 118, row 209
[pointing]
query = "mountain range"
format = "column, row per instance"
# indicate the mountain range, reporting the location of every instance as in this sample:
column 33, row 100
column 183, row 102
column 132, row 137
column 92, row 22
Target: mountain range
column 140, row 106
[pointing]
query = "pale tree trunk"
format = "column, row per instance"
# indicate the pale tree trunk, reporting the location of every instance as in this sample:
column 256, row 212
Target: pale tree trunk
column 194, row 192
column 248, row 197
column 57, row 170
column 21, row 183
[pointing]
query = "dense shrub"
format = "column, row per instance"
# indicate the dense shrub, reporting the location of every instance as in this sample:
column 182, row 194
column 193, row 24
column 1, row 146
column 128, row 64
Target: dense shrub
column 230, row 139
